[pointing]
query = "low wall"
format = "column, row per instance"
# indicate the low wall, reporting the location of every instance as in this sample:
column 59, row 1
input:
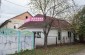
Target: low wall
column 12, row 40
column 11, row 44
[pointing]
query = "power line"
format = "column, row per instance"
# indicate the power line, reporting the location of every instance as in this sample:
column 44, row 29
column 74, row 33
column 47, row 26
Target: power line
column 15, row 4
column 2, row 11
column 11, row 8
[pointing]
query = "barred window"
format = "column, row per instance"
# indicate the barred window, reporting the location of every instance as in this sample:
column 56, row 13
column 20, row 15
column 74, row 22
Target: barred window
column 37, row 34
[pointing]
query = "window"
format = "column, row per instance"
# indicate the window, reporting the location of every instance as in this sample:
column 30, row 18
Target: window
column 59, row 35
column 69, row 34
column 37, row 34
column 26, row 17
column 14, row 27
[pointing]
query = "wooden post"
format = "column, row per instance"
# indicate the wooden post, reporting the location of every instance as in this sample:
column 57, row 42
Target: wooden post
column 33, row 41
column 56, row 40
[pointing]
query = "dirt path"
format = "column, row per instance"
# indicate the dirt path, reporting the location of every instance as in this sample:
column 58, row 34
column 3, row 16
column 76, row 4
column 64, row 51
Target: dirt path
column 80, row 53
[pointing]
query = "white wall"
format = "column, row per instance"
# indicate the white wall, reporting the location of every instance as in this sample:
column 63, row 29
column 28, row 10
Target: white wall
column 10, row 44
column 38, row 41
column 14, row 22
column 51, row 37
column 64, row 35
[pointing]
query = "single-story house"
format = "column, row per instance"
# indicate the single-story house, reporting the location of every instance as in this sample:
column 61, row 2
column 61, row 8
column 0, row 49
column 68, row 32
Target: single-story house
column 54, row 36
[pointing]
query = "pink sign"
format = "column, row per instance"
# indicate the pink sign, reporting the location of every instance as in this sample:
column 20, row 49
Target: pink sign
column 34, row 19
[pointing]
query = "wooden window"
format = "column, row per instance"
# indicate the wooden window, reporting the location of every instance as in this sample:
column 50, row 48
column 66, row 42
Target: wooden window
column 37, row 34
column 69, row 34
column 59, row 35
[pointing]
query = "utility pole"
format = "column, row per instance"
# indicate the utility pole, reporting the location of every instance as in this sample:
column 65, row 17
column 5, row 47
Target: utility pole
column 0, row 8
column 0, row 3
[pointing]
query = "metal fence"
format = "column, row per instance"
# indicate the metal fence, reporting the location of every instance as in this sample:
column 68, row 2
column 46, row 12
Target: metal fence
column 12, row 41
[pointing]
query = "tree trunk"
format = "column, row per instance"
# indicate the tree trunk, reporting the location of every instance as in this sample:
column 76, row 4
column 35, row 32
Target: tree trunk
column 46, row 30
column 75, row 35
column 45, row 41
column 74, row 38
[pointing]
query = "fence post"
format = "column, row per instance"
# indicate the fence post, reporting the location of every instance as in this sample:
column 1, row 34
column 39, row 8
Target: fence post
column 19, row 48
column 33, row 40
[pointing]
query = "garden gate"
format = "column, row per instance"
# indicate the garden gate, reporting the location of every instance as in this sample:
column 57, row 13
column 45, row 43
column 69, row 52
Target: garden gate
column 13, row 40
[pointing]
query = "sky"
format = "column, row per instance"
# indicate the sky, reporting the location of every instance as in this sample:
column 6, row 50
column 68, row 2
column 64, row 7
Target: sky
column 11, row 8
column 80, row 2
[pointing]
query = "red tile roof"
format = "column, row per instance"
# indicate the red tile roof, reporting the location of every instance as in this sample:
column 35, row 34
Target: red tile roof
column 58, row 23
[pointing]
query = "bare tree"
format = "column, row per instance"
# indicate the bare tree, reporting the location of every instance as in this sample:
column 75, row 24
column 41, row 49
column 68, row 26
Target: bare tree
column 52, row 8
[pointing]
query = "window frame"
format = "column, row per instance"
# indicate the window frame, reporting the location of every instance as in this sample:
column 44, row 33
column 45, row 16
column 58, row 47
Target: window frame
column 59, row 35
column 69, row 34
column 36, row 34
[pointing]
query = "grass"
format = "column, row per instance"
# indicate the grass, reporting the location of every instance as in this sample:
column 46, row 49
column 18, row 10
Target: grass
column 57, row 50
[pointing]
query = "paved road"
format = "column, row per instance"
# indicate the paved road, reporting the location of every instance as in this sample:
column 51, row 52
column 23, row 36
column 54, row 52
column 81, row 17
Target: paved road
column 80, row 53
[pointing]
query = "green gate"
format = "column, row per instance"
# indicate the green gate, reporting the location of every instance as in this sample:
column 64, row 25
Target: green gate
column 14, row 40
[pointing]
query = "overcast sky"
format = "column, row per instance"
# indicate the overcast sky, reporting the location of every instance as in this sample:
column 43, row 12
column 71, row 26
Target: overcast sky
column 11, row 8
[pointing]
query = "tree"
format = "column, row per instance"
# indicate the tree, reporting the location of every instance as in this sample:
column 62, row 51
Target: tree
column 82, row 25
column 79, row 24
column 52, row 8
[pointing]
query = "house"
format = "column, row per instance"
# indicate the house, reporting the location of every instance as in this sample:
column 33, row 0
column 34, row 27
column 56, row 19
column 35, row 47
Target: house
column 54, row 36
column 12, row 39
column 16, row 21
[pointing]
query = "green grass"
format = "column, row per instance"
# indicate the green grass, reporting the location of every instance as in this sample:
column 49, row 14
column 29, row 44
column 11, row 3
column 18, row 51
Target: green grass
column 57, row 50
